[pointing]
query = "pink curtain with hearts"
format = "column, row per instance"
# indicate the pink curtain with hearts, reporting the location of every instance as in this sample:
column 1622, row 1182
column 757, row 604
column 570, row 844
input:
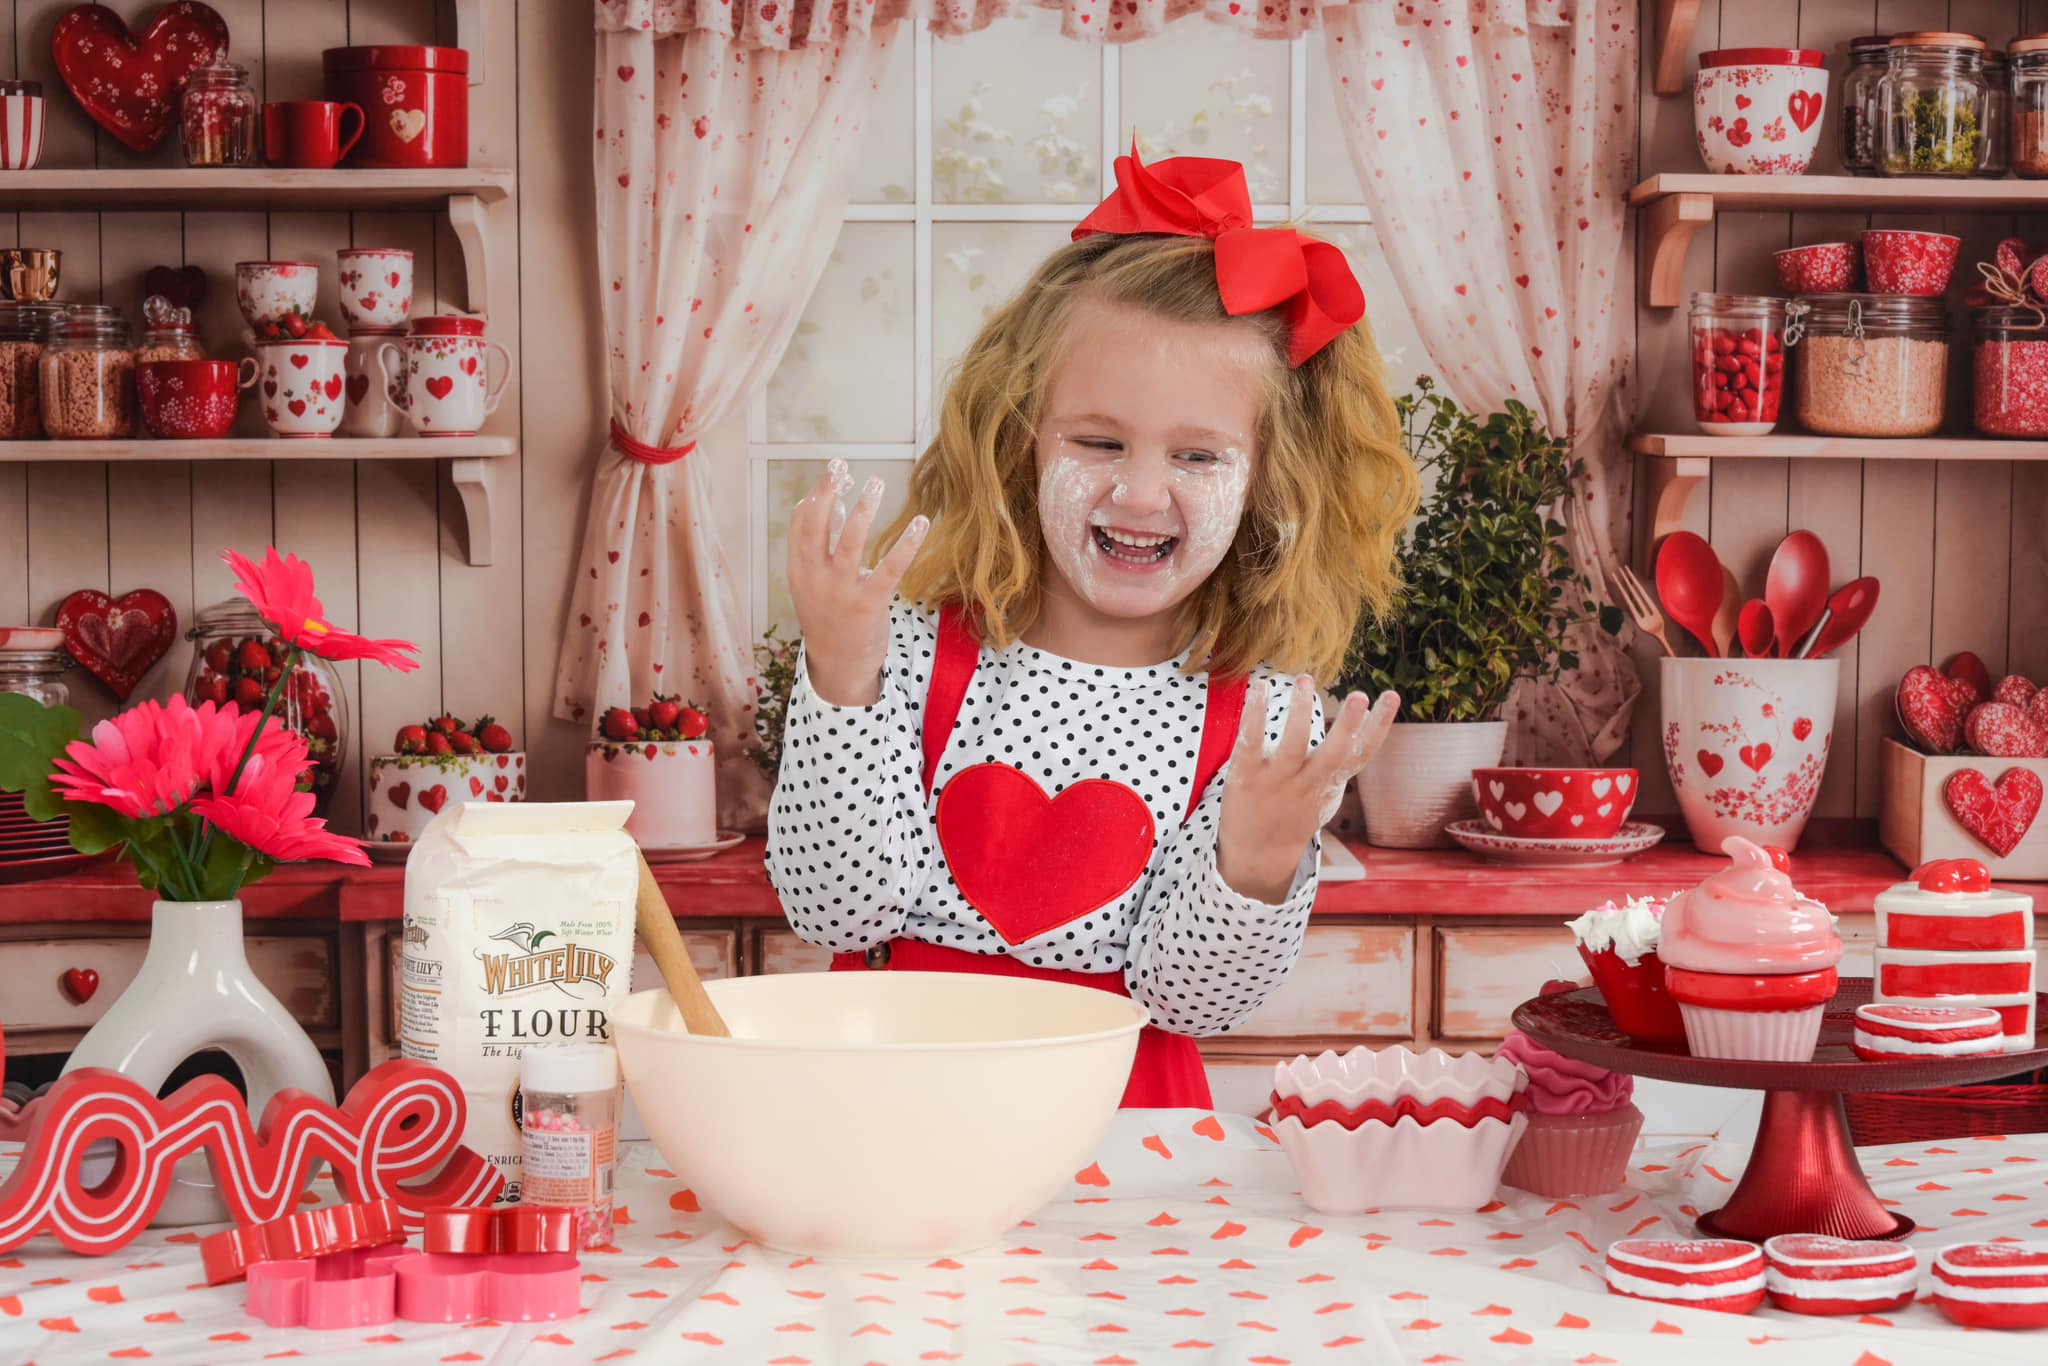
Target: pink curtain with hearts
column 723, row 166
column 1496, row 147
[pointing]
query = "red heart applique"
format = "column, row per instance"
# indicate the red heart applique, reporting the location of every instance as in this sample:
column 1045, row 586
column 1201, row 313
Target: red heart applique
column 434, row 798
column 116, row 640
column 469, row 365
column 300, row 362
column 131, row 86
column 333, row 387
column 1743, row 101
column 298, row 407
column 440, row 386
column 476, row 787
column 1030, row 863
column 401, row 793
column 1802, row 728
column 80, row 984
column 501, row 782
column 1754, row 757
column 1804, row 107
column 1710, row 762
column 1931, row 708
column 1996, row 817
column 358, row 388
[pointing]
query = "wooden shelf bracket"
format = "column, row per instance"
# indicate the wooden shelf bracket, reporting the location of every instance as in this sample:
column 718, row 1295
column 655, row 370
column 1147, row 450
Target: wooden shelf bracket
column 1668, row 227
column 1672, row 35
column 466, row 217
column 1667, row 487
column 477, row 483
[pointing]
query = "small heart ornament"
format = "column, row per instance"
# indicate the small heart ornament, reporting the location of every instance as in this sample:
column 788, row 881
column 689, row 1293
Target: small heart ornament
column 117, row 640
column 1932, row 707
column 131, row 84
column 2004, row 730
column 1996, row 815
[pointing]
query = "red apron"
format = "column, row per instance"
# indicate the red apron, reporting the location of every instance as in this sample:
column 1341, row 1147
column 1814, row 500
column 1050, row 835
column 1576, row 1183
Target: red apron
column 1167, row 1072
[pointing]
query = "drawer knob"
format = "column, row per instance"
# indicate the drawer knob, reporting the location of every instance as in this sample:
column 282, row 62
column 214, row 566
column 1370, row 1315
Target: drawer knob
column 80, row 984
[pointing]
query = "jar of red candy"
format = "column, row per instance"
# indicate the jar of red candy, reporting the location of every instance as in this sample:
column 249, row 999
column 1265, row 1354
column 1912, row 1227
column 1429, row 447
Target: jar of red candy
column 2009, row 381
column 1738, row 361
column 236, row 658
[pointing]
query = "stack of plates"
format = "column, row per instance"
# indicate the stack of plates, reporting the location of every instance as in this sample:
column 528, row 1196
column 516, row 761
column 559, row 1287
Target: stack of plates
column 32, row 849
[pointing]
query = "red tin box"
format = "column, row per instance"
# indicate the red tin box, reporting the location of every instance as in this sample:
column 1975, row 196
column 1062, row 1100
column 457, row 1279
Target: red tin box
column 417, row 100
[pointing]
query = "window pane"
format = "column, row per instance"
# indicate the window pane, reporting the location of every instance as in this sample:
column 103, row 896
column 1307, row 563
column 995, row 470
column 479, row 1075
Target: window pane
column 1330, row 177
column 1207, row 90
column 1016, row 115
column 786, row 481
column 976, row 268
column 847, row 373
column 888, row 158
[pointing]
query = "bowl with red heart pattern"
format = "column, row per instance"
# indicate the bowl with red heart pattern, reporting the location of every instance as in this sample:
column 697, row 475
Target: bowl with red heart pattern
column 1756, row 110
column 1554, row 803
column 1746, row 742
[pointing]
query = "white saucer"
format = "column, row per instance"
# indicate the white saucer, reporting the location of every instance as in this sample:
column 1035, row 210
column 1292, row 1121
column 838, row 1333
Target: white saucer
column 690, row 853
column 1632, row 838
column 386, row 851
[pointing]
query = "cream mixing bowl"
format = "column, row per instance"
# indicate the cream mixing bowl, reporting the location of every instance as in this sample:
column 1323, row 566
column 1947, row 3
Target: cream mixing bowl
column 879, row 1114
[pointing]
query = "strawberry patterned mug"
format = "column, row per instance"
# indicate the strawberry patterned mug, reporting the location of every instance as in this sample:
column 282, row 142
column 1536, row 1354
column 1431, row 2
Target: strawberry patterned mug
column 375, row 286
column 440, row 375
column 302, row 384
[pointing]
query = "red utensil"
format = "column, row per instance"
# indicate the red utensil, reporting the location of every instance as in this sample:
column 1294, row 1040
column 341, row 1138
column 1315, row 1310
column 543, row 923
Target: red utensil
column 1796, row 588
column 1689, row 582
column 1756, row 628
column 1851, row 606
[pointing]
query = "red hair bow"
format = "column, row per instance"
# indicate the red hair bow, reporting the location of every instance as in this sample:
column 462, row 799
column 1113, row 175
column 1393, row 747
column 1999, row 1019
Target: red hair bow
column 1256, row 268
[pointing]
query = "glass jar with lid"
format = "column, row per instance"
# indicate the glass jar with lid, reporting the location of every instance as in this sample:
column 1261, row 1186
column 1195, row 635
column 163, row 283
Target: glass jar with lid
column 237, row 658
column 88, row 374
column 24, row 331
column 1931, row 105
column 33, row 662
column 217, row 115
column 1873, row 365
column 1997, row 116
column 1869, row 57
column 2009, row 371
column 2027, row 60
column 1738, row 361
column 167, row 332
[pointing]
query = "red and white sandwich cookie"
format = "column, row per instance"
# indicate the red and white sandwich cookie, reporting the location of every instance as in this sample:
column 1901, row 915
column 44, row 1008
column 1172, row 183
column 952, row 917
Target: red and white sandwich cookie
column 1993, row 1285
column 1810, row 1273
column 1891, row 1031
column 1707, row 1273
column 1950, row 906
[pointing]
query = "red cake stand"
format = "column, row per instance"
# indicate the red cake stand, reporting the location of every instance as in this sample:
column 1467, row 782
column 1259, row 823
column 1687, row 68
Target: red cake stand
column 1802, row 1175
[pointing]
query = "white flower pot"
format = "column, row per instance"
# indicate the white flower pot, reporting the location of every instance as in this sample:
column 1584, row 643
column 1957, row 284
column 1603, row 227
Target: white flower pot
column 196, row 991
column 1421, row 780
column 1746, row 742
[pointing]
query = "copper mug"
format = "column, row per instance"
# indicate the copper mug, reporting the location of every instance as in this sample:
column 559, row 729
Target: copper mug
column 29, row 275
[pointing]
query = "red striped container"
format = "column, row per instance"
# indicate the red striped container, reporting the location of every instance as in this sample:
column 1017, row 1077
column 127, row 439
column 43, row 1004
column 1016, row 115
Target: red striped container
column 22, row 115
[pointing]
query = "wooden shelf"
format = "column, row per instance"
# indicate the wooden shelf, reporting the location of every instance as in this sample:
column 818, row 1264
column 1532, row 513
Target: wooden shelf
column 473, row 462
column 1672, row 23
column 1675, row 207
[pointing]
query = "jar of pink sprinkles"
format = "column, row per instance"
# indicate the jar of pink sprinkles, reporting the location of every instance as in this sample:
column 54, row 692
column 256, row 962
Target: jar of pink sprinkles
column 569, row 1132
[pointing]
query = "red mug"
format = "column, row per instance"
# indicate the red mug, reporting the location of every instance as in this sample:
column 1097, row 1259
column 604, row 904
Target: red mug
column 308, row 133
column 192, row 400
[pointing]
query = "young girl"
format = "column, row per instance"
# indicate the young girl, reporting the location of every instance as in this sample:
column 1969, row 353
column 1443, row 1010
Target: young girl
column 1167, row 476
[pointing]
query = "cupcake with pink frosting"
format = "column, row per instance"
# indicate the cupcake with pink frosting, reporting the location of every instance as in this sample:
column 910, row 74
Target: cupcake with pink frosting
column 1750, row 961
column 1582, row 1124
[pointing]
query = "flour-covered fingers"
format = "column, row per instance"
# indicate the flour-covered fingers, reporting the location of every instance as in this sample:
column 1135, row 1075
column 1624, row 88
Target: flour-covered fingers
column 1251, row 729
column 1340, row 752
column 894, row 565
column 1378, row 726
column 850, row 547
column 1301, row 705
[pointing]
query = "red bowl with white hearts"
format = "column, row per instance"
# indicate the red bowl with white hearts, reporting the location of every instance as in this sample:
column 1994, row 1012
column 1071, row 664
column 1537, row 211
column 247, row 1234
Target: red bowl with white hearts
column 1555, row 803
column 1811, row 1273
column 1822, row 268
column 1701, row 1273
column 1756, row 110
column 1905, row 261
column 1993, row 1285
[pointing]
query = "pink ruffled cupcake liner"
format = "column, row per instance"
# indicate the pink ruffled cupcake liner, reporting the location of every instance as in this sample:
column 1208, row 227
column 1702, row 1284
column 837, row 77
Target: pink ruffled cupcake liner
column 1567, row 1156
column 1757, row 1035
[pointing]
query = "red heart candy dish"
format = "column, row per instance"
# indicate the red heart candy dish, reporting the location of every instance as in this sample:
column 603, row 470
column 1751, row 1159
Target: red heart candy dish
column 129, row 85
column 116, row 640
column 1555, row 803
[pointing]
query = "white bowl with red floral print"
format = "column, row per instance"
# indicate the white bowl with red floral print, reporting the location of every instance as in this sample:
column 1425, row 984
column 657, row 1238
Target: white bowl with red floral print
column 1756, row 110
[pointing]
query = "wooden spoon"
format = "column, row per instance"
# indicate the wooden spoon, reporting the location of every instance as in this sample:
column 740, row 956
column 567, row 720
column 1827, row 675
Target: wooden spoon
column 1728, row 616
column 665, row 944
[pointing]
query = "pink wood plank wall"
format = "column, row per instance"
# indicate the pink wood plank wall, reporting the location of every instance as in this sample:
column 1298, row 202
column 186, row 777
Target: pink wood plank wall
column 387, row 537
column 1960, row 548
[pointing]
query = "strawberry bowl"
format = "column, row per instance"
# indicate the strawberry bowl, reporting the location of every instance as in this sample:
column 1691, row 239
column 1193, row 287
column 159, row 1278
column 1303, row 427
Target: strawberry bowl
column 879, row 1114
column 1756, row 110
column 1555, row 803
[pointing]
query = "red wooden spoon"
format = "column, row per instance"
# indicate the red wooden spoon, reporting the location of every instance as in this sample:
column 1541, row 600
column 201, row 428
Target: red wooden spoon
column 1796, row 589
column 1851, row 606
column 1690, row 584
column 1756, row 629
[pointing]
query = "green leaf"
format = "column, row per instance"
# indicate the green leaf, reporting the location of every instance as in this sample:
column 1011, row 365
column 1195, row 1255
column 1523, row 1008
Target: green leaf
column 32, row 737
column 95, row 828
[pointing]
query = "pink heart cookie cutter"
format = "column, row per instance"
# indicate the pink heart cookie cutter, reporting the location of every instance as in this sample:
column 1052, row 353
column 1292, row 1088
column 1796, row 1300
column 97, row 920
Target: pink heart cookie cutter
column 366, row 1288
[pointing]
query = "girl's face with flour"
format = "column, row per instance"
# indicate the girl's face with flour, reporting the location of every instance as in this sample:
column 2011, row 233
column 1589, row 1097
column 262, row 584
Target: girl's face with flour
column 1146, row 451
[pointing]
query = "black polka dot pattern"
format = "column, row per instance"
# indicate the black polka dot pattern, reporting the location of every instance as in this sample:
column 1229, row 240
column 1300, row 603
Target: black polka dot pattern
column 853, row 850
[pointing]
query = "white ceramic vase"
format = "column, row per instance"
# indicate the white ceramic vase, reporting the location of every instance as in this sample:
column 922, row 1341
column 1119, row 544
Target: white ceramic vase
column 196, row 991
column 1421, row 780
column 1746, row 742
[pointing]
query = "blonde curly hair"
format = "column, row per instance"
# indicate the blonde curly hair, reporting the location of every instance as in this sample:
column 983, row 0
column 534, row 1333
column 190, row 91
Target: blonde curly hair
column 1332, row 487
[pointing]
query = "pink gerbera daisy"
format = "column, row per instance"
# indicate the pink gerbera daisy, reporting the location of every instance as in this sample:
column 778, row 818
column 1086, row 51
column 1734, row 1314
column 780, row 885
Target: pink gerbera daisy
column 281, row 588
column 268, row 813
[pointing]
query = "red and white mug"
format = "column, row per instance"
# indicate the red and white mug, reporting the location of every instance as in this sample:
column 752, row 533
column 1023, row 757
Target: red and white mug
column 440, row 375
column 302, row 385
column 22, row 116
column 309, row 133
column 375, row 287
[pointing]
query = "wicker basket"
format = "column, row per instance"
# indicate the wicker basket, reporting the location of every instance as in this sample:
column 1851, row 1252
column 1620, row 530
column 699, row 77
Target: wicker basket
column 1948, row 1112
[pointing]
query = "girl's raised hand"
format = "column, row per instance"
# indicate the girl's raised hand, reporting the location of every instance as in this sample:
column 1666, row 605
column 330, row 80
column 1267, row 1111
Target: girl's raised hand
column 842, row 607
column 1275, row 800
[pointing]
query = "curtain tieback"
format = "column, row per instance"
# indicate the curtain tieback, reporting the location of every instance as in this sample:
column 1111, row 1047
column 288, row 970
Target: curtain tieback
column 646, row 454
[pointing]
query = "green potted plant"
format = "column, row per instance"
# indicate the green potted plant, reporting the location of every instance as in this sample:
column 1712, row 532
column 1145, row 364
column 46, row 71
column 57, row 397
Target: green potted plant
column 1488, row 592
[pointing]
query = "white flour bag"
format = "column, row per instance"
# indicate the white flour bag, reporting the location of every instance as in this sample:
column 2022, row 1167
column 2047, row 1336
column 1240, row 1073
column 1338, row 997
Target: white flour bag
column 518, row 930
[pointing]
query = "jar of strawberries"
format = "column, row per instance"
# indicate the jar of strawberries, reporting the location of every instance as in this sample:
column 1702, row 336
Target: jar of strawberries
column 236, row 658
column 1738, row 361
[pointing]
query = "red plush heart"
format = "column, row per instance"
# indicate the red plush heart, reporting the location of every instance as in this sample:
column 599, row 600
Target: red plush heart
column 184, row 286
column 1030, row 863
column 2005, row 731
column 129, row 85
column 1710, row 762
column 116, row 640
column 1932, row 706
column 1996, row 817
column 80, row 984
column 434, row 798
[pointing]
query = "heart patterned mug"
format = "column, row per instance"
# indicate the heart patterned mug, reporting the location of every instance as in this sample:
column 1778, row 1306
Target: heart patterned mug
column 301, row 385
column 440, row 375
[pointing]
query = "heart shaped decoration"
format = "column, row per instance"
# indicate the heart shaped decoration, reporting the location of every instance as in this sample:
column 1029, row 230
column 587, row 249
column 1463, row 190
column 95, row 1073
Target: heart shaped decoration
column 80, row 984
column 1032, row 863
column 408, row 124
column 1710, row 762
column 2005, row 731
column 131, row 85
column 358, row 388
column 184, row 286
column 116, row 640
column 1932, row 707
column 1969, row 669
column 2014, row 689
column 440, row 386
column 1804, row 107
column 1754, row 757
column 1996, row 816
column 434, row 798
column 401, row 793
